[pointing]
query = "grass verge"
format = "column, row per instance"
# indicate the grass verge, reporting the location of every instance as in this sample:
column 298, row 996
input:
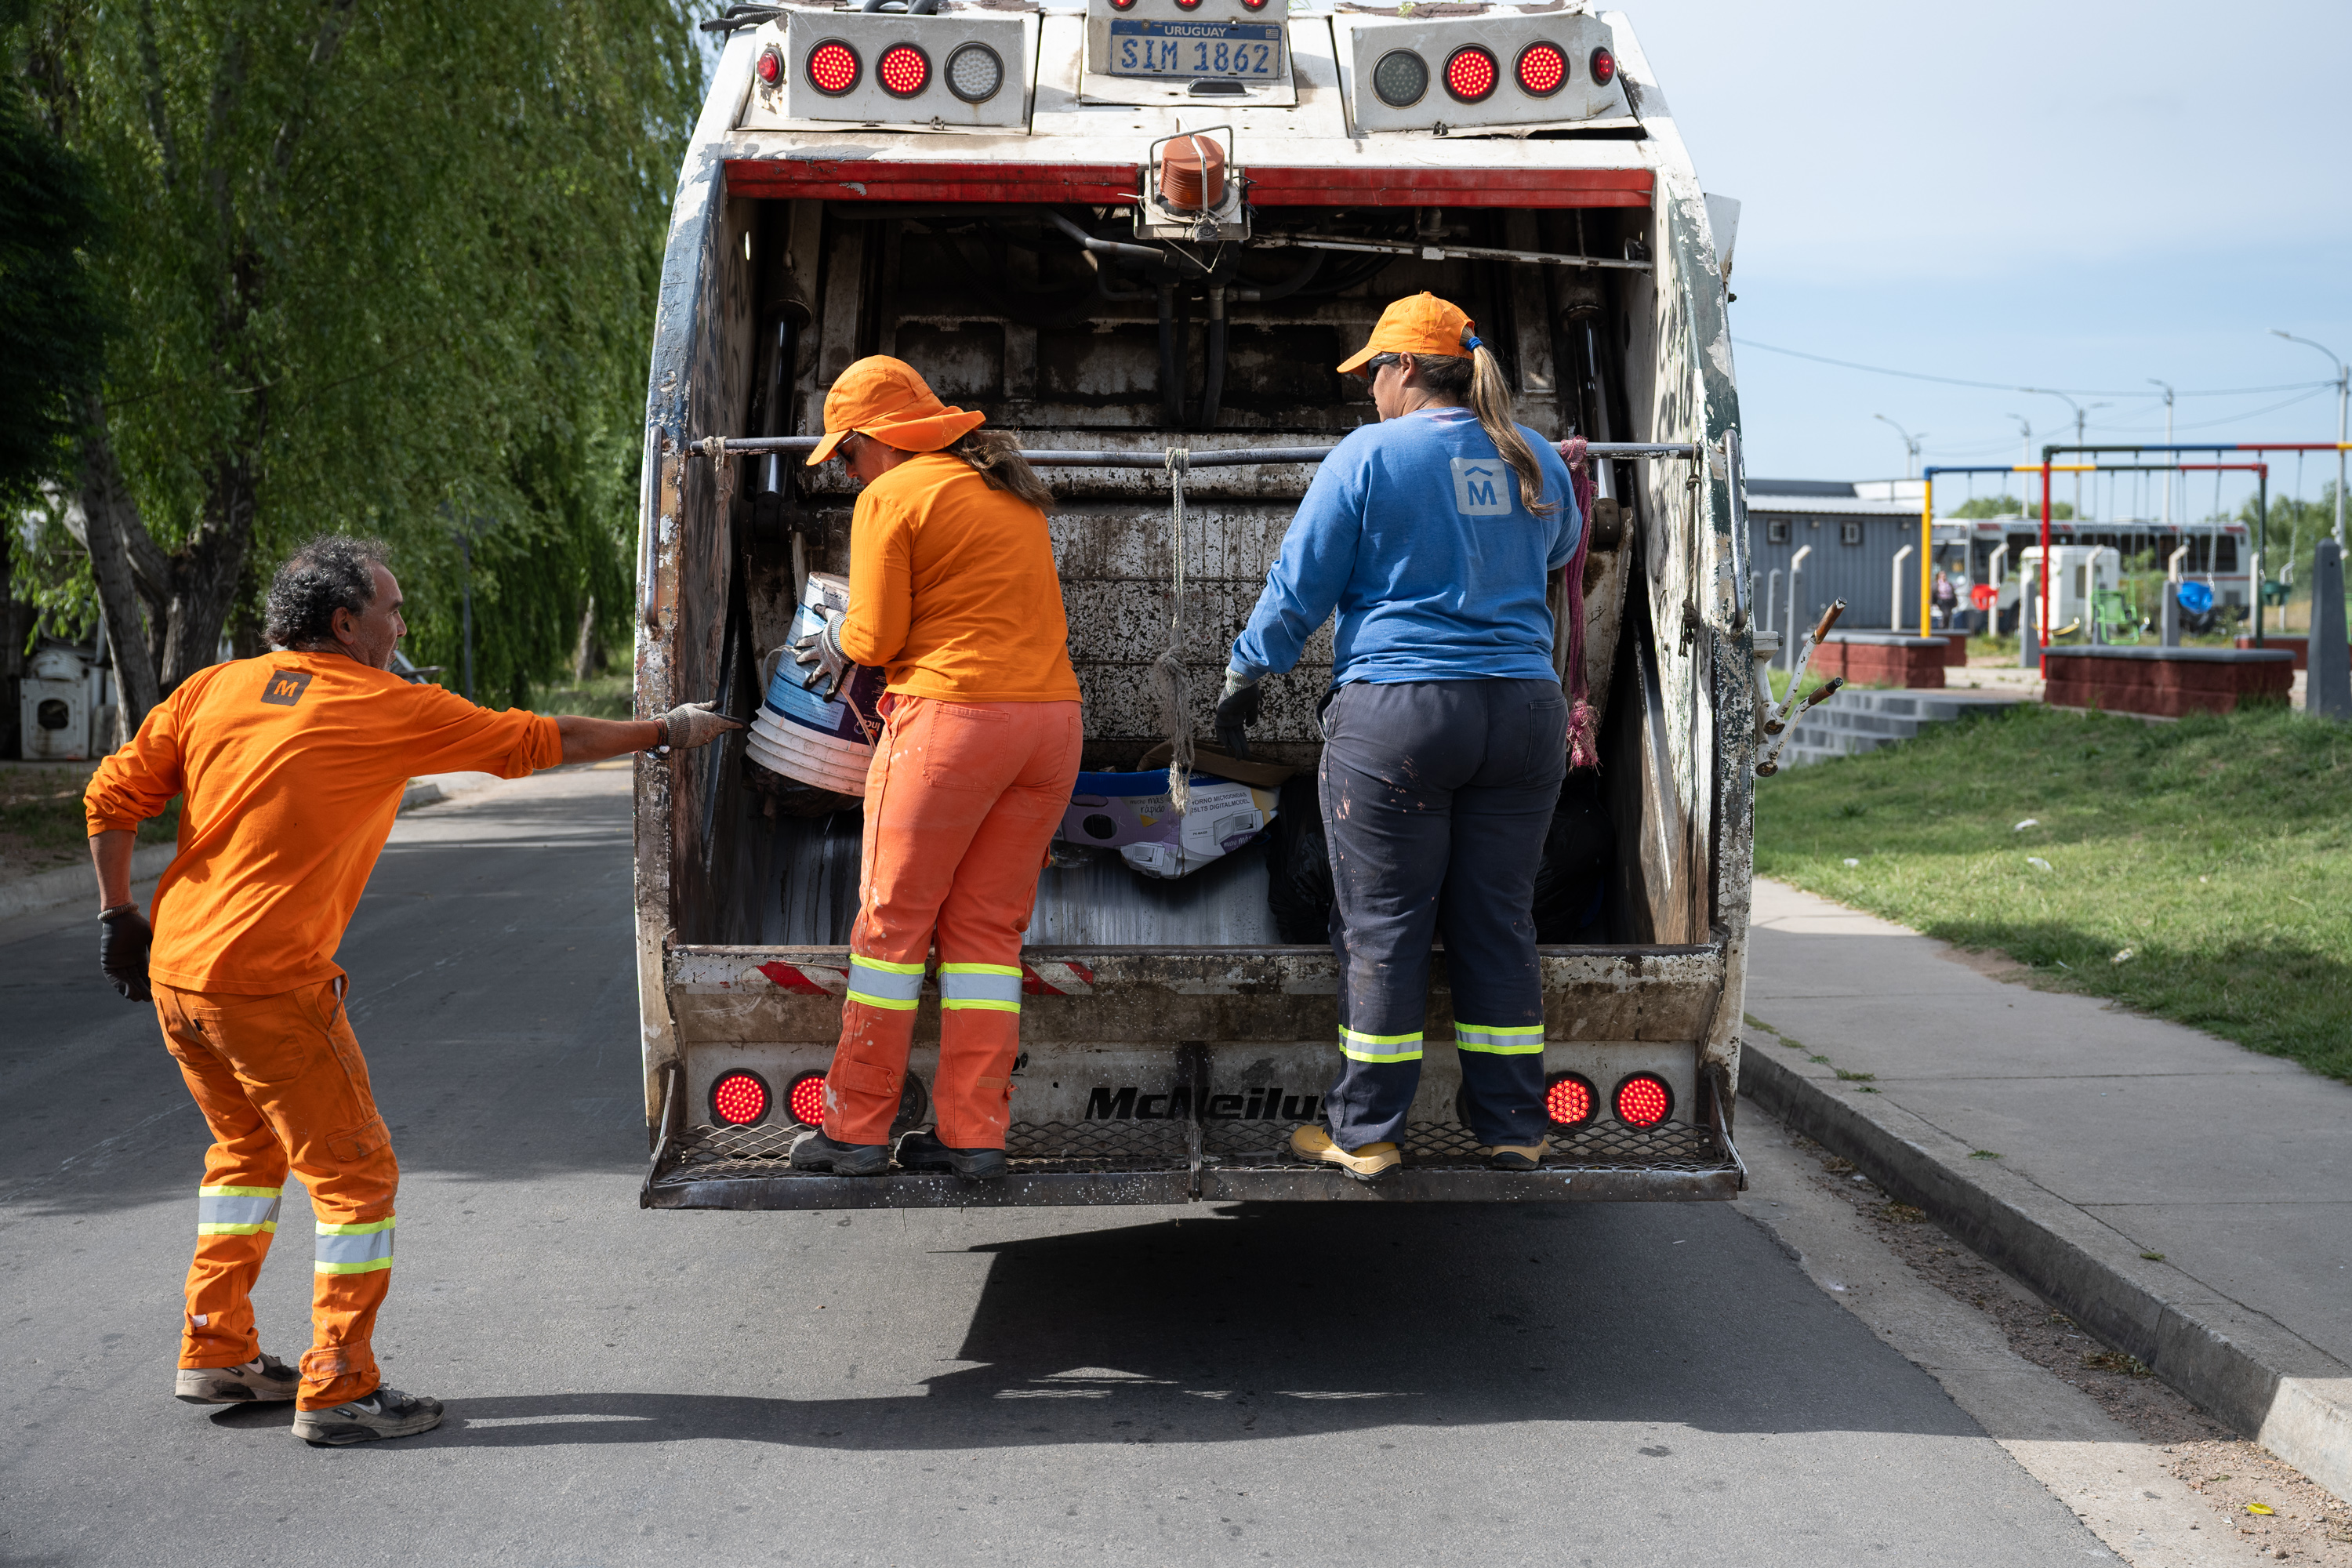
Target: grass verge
column 598, row 697
column 2196, row 871
column 41, row 823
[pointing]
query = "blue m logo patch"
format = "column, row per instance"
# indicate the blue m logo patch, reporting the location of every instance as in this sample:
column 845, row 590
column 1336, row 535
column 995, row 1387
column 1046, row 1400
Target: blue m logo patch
column 1482, row 487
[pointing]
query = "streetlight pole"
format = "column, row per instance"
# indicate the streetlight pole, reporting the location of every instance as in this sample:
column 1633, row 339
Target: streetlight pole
column 2167, row 441
column 2343, row 394
column 2079, row 414
column 1910, row 445
column 2025, row 434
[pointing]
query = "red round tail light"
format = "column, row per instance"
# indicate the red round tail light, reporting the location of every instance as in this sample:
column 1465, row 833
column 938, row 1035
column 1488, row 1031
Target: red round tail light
column 1570, row 1101
column 1471, row 74
column 772, row 65
column 903, row 70
column 1541, row 68
column 1188, row 5
column 1122, row 4
column 738, row 1099
column 833, row 68
column 1605, row 68
column 1643, row 1100
column 805, row 1100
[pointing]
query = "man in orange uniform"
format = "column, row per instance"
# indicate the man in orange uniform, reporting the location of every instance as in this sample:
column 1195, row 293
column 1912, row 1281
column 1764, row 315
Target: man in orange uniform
column 293, row 765
column 952, row 591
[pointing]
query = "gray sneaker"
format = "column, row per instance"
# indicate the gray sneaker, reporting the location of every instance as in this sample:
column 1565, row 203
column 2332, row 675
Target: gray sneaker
column 265, row 1380
column 386, row 1413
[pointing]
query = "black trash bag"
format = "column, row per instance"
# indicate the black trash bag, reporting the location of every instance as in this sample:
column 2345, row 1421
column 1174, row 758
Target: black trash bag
column 1299, row 865
column 1578, row 849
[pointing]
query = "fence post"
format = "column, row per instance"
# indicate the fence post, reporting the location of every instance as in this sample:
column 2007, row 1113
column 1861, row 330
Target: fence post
column 2327, row 690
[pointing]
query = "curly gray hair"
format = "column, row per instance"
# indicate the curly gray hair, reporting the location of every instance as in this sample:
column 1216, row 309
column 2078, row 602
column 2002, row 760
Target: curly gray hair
column 330, row 573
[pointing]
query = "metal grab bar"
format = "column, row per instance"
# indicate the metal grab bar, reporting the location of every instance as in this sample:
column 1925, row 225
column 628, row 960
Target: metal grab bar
column 1196, row 457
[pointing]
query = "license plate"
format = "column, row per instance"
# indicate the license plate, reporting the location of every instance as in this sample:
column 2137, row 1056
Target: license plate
column 1251, row 51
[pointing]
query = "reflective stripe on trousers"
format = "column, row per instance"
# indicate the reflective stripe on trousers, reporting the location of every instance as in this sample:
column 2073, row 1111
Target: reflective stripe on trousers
column 237, row 1211
column 993, row 986
column 354, row 1249
column 1358, row 1046
column 880, row 982
column 1505, row 1040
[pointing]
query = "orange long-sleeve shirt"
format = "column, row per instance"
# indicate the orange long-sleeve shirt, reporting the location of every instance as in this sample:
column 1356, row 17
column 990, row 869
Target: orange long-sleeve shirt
column 952, row 589
column 293, row 765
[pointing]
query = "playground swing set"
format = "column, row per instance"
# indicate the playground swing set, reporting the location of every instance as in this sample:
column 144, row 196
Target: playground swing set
column 2110, row 609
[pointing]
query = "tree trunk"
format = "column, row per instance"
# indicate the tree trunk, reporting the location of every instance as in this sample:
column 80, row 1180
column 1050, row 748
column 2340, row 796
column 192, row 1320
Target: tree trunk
column 206, row 572
column 105, row 502
column 583, row 653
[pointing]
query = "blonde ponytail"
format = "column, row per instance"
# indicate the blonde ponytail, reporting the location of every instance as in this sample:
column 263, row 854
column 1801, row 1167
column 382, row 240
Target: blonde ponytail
column 1477, row 381
column 1490, row 400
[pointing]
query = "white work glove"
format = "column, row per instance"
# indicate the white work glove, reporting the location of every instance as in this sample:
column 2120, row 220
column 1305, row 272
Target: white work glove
column 820, row 650
column 692, row 725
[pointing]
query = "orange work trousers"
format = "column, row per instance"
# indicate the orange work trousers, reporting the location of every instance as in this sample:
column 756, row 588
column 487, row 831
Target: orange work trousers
column 283, row 1086
column 961, row 801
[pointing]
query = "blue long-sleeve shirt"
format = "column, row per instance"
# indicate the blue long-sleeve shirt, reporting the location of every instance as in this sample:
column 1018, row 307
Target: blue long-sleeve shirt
column 1415, row 532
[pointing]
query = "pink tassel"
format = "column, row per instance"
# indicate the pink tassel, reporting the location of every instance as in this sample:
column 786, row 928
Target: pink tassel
column 1583, row 727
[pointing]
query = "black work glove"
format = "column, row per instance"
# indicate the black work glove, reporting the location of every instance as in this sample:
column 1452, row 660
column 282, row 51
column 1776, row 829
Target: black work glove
column 123, row 938
column 1236, row 710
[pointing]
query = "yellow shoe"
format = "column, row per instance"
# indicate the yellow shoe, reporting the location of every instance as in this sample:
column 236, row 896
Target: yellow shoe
column 1368, row 1163
column 1516, row 1156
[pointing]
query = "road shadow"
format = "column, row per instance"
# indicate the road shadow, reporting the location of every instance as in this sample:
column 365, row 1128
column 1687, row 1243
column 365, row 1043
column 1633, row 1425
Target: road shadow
column 1285, row 1321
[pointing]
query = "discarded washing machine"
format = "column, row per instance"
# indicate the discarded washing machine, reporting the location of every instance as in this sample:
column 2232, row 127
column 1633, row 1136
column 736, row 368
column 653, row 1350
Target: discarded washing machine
column 58, row 699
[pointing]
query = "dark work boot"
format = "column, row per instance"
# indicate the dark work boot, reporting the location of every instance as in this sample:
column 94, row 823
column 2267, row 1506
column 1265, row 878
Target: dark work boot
column 924, row 1152
column 812, row 1150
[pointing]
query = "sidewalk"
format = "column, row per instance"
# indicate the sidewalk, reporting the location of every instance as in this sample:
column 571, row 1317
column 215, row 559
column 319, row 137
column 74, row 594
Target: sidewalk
column 2187, row 1200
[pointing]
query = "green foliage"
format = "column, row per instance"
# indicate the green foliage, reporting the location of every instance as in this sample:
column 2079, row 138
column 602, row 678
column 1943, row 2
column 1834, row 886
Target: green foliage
column 53, row 319
column 385, row 267
column 2009, row 506
column 2196, row 869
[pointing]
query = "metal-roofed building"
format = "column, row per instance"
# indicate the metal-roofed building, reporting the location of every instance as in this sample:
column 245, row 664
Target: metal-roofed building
column 1850, row 535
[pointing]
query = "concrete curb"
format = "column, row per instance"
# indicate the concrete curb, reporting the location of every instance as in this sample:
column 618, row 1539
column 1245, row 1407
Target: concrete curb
column 2243, row 1367
column 45, row 890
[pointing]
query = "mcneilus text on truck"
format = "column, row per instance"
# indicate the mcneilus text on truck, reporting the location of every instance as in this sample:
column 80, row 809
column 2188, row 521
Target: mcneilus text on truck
column 983, row 188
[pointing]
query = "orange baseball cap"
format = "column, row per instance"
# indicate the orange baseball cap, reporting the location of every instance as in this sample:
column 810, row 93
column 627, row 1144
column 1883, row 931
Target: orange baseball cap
column 1423, row 324
column 887, row 399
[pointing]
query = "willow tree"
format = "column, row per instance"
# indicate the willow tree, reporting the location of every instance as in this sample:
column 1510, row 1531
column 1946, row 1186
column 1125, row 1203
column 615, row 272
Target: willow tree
column 379, row 266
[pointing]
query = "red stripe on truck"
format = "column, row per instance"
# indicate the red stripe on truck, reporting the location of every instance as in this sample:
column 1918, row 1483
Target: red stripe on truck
column 1358, row 187
column 874, row 180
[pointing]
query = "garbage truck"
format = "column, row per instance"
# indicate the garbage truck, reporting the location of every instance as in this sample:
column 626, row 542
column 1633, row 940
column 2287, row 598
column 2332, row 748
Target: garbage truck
column 1140, row 234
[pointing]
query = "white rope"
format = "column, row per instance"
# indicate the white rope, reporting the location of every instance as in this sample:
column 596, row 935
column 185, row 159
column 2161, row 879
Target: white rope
column 1168, row 682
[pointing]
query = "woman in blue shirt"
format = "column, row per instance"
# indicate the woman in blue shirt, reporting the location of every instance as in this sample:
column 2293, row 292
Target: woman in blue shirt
column 1432, row 534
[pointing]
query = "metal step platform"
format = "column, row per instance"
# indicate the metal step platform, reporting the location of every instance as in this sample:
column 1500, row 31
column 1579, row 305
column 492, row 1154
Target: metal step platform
column 1182, row 1162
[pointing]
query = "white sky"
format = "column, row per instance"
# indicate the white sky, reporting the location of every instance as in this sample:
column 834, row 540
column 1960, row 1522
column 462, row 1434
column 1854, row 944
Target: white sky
column 2066, row 195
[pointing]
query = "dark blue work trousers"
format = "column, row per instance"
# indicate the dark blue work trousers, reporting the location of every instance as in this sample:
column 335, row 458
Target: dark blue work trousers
column 1436, row 795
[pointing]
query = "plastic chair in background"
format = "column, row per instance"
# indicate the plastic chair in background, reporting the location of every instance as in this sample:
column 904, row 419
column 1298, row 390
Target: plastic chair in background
column 2117, row 621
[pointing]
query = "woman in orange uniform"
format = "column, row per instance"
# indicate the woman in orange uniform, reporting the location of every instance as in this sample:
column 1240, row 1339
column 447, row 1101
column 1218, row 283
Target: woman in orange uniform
column 952, row 592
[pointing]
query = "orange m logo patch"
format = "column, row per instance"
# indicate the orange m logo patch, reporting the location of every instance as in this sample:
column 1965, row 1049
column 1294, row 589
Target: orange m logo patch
column 286, row 686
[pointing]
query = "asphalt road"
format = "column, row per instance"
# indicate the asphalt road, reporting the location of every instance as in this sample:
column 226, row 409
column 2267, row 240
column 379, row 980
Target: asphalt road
column 1606, row 1384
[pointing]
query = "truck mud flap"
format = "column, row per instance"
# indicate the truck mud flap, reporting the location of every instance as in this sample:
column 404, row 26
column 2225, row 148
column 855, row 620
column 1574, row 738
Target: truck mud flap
column 1063, row 1164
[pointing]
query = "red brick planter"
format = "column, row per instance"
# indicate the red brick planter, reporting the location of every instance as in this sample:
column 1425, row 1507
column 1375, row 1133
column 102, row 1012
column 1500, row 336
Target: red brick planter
column 2299, row 646
column 2165, row 682
column 1884, row 658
